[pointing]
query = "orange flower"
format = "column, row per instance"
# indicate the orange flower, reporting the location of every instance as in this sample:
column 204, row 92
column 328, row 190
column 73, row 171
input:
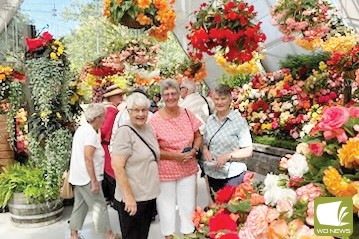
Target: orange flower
column 143, row 19
column 106, row 11
column 143, row 4
column 143, row 81
column 349, row 154
column 118, row 2
column 2, row 77
column 256, row 199
column 278, row 230
column 337, row 185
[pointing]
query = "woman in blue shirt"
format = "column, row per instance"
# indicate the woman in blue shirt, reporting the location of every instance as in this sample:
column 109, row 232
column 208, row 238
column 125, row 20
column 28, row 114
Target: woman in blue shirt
column 227, row 141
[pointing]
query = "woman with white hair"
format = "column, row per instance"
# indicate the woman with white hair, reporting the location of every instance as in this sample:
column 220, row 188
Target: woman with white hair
column 177, row 132
column 86, row 174
column 134, row 153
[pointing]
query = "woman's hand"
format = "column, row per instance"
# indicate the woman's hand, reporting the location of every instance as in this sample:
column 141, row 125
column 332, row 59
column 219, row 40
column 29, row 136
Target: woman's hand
column 185, row 157
column 95, row 186
column 130, row 206
column 222, row 159
column 207, row 154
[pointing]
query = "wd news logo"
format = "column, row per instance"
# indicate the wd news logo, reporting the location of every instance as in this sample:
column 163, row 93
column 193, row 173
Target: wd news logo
column 333, row 216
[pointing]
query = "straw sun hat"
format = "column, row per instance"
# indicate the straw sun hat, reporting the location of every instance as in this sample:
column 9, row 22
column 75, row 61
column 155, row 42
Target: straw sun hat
column 113, row 90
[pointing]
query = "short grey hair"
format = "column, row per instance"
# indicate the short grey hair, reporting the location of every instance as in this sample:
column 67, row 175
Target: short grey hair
column 223, row 90
column 94, row 110
column 137, row 99
column 169, row 83
column 190, row 85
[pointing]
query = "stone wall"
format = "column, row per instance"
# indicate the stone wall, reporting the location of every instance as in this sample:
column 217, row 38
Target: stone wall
column 266, row 159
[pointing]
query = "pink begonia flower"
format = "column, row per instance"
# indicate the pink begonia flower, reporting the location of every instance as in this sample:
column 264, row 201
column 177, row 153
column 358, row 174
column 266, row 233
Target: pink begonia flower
column 248, row 177
column 316, row 148
column 310, row 191
column 275, row 124
column 285, row 208
column 354, row 112
column 283, row 164
column 256, row 224
column 336, row 133
column 333, row 118
column 310, row 214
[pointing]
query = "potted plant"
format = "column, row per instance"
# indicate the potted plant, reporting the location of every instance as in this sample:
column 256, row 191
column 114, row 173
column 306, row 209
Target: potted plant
column 30, row 198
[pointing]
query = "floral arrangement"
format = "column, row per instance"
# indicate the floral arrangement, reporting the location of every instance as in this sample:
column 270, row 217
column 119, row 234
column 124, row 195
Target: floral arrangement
column 282, row 105
column 227, row 29
column 309, row 18
column 193, row 70
column 155, row 15
column 242, row 212
column 52, row 119
column 44, row 45
column 133, row 62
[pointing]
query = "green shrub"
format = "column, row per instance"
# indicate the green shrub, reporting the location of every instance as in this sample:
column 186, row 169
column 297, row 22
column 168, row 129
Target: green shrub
column 26, row 179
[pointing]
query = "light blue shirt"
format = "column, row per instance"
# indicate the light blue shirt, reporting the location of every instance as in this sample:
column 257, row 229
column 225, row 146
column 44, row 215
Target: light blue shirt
column 233, row 135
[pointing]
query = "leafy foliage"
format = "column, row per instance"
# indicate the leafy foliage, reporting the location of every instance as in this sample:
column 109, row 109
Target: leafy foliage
column 303, row 64
column 26, row 179
column 275, row 142
column 234, row 81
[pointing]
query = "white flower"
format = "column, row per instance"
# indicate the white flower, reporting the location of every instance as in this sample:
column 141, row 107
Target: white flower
column 302, row 148
column 297, row 166
column 275, row 194
column 271, row 181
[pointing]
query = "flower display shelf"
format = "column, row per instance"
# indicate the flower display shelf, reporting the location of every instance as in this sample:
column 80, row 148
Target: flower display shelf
column 265, row 159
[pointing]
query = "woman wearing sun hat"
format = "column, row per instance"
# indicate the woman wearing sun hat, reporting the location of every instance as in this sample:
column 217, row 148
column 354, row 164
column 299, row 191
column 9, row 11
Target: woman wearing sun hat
column 113, row 97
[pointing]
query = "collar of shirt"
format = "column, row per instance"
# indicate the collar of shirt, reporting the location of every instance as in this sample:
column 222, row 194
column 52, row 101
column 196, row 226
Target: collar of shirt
column 230, row 116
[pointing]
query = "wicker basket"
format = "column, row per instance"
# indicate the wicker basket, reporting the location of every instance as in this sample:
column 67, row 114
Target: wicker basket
column 129, row 22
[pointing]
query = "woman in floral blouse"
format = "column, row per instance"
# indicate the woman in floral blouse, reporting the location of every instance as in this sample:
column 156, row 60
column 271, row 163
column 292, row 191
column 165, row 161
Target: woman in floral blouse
column 179, row 139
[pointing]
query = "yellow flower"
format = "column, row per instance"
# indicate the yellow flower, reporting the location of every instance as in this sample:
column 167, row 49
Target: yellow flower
column 247, row 68
column 57, row 42
column 44, row 114
column 349, row 154
column 340, row 44
column 322, row 66
column 58, row 115
column 309, row 44
column 337, row 185
column 74, row 98
column 1, row 69
column 53, row 56
column 60, row 50
column 2, row 77
column 266, row 126
column 7, row 70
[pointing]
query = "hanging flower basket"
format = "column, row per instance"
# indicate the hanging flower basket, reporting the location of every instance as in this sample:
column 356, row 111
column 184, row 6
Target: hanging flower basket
column 157, row 16
column 227, row 28
column 129, row 22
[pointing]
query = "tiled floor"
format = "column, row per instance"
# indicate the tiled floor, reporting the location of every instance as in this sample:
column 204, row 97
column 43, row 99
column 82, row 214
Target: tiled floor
column 60, row 230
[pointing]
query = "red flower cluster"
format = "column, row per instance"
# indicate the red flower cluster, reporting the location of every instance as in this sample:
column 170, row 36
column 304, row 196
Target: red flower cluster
column 230, row 26
column 221, row 222
column 260, row 105
column 225, row 194
column 345, row 62
column 103, row 71
column 35, row 43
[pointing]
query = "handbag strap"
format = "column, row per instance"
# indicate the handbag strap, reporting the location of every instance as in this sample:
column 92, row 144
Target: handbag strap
column 143, row 140
column 209, row 108
column 210, row 141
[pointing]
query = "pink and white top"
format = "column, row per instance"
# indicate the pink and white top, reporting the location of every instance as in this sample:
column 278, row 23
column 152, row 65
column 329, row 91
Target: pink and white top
column 174, row 135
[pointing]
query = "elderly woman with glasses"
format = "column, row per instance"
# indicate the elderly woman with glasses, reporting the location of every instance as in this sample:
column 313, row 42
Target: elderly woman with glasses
column 86, row 174
column 177, row 131
column 227, row 141
column 134, row 153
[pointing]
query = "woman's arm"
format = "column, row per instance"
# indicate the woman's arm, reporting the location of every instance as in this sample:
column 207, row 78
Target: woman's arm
column 118, row 164
column 236, row 155
column 197, row 141
column 89, row 154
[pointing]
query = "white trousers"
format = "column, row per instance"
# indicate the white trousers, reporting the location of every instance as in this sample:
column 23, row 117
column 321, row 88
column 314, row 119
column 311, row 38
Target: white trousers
column 184, row 191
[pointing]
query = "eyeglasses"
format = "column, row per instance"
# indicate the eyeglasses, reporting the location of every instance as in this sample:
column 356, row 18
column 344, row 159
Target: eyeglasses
column 173, row 94
column 144, row 110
